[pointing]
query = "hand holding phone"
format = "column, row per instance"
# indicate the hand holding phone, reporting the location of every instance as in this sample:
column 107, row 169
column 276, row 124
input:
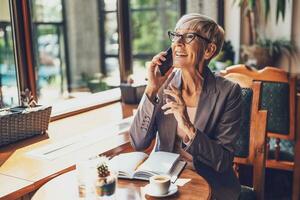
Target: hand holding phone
column 167, row 64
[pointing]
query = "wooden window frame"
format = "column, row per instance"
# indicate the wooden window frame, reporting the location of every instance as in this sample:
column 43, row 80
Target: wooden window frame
column 25, row 58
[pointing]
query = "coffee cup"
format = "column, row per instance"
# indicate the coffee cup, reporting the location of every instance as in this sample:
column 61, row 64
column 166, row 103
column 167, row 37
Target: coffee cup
column 159, row 184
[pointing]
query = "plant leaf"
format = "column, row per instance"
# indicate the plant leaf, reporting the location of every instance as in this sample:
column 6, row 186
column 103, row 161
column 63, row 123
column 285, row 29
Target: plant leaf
column 240, row 2
column 251, row 4
column 280, row 9
column 267, row 9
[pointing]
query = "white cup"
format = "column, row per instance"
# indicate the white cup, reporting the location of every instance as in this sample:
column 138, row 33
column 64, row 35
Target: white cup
column 159, row 184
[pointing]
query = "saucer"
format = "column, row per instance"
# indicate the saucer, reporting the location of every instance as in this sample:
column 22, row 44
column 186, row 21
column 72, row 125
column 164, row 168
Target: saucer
column 172, row 190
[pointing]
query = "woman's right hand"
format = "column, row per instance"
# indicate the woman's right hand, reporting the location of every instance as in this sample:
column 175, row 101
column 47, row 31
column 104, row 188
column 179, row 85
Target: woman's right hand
column 155, row 80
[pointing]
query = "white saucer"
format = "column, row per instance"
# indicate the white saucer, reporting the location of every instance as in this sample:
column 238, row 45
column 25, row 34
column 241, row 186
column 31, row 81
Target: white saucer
column 172, row 190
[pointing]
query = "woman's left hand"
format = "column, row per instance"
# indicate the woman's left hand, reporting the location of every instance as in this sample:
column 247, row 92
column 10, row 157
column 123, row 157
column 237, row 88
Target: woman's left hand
column 176, row 106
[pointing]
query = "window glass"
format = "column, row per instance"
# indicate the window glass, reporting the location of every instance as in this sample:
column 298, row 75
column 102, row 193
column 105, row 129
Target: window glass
column 111, row 33
column 76, row 48
column 47, row 11
column 110, row 5
column 50, row 80
column 150, row 21
column 48, row 42
column 110, row 51
column 8, row 78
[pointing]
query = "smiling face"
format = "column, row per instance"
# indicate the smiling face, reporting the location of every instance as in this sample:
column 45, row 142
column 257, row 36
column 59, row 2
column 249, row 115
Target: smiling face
column 188, row 56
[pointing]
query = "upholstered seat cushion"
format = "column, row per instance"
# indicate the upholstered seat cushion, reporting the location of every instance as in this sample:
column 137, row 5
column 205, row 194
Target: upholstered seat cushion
column 278, row 184
column 275, row 99
column 242, row 144
column 247, row 193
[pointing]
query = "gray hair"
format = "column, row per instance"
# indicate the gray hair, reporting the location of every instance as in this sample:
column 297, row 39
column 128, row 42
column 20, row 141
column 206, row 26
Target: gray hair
column 204, row 26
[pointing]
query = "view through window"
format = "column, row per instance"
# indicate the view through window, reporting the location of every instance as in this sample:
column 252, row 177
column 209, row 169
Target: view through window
column 8, row 78
column 150, row 22
column 76, row 45
column 76, row 48
column 49, row 49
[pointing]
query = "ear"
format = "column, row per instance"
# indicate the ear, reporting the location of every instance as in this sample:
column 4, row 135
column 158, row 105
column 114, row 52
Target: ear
column 210, row 51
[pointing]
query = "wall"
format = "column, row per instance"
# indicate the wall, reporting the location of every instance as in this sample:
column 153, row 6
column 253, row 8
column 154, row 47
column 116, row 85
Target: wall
column 237, row 30
column 274, row 30
column 4, row 10
column 83, row 38
column 295, row 38
column 205, row 7
column 232, row 25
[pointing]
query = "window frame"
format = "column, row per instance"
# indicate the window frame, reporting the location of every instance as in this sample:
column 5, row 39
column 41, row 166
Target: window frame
column 24, row 52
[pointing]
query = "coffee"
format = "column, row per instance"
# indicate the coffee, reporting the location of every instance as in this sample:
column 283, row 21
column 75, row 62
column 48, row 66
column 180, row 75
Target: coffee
column 160, row 179
column 160, row 184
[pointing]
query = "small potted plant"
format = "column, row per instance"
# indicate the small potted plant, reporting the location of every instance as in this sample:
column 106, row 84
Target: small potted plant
column 106, row 181
column 261, row 52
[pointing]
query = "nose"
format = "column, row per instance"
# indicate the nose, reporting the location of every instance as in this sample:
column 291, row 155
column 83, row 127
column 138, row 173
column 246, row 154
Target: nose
column 178, row 41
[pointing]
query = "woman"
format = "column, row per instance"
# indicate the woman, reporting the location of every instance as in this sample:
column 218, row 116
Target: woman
column 190, row 110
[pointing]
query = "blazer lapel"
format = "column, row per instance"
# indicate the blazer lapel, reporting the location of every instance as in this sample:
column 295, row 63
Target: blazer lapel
column 206, row 104
column 207, row 100
column 171, row 123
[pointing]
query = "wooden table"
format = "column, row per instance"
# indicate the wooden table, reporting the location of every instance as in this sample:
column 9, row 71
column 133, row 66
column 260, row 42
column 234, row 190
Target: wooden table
column 196, row 189
column 21, row 174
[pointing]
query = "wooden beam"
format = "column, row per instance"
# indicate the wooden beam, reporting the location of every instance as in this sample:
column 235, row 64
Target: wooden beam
column 125, row 52
column 23, row 49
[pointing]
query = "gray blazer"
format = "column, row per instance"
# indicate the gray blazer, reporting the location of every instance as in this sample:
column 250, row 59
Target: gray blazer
column 217, row 122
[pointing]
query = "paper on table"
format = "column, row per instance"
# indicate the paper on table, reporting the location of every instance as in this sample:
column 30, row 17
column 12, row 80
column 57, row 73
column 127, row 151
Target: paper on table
column 182, row 181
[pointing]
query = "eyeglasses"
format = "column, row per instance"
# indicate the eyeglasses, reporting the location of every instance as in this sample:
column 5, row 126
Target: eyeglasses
column 186, row 37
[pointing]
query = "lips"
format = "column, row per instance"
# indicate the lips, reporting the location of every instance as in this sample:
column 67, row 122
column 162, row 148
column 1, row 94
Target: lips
column 180, row 53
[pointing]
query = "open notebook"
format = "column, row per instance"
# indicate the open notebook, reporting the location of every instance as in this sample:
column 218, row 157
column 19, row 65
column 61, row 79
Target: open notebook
column 138, row 165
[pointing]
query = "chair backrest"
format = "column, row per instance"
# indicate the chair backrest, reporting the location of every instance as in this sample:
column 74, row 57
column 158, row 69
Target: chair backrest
column 277, row 97
column 251, row 148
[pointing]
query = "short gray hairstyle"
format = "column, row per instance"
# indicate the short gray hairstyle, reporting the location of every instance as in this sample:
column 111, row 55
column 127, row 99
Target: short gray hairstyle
column 204, row 26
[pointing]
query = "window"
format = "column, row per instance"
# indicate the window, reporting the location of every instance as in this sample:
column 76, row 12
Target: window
column 109, row 42
column 71, row 49
column 71, row 59
column 150, row 21
column 48, row 39
column 8, row 78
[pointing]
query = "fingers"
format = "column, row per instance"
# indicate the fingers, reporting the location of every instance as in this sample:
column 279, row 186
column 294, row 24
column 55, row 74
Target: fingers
column 169, row 105
column 172, row 94
column 156, row 60
column 170, row 108
column 175, row 93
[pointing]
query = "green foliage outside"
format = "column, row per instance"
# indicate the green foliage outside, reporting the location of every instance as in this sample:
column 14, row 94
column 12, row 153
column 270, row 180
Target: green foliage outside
column 150, row 24
column 224, row 59
column 6, row 50
column 276, row 47
column 95, row 83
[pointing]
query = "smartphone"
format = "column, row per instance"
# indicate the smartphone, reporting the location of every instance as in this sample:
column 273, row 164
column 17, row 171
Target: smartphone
column 167, row 64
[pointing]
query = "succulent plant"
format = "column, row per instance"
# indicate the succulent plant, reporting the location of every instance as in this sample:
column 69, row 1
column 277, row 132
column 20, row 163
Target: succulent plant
column 102, row 167
column 103, row 170
column 27, row 100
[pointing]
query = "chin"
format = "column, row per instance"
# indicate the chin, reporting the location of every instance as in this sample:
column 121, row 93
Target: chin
column 177, row 64
column 180, row 65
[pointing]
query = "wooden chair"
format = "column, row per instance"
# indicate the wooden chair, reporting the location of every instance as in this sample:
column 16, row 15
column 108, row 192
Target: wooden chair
column 251, row 143
column 278, row 97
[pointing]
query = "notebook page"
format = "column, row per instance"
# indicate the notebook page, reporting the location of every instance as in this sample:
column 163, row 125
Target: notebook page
column 159, row 162
column 126, row 163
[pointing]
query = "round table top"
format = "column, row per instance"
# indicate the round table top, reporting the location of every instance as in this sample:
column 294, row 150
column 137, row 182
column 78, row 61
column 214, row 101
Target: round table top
column 65, row 187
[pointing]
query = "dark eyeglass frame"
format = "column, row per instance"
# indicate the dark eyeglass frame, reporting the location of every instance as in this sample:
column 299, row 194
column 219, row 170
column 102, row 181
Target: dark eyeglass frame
column 183, row 37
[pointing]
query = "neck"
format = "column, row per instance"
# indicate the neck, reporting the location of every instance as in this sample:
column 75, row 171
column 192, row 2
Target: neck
column 191, row 80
